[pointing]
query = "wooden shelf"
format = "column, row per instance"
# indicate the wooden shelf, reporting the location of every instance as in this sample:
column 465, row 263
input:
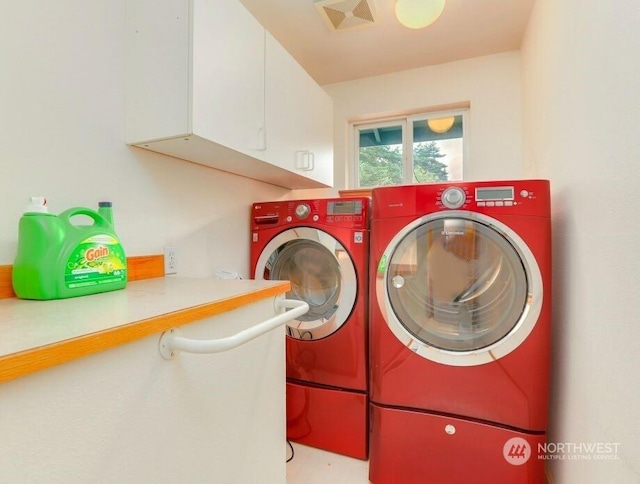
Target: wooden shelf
column 40, row 334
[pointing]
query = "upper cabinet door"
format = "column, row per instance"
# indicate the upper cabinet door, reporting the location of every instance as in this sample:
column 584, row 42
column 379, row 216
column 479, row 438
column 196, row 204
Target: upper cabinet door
column 299, row 117
column 228, row 74
column 195, row 68
column 157, row 70
column 197, row 90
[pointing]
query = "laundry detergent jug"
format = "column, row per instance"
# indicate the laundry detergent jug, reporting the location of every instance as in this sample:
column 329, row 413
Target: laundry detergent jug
column 60, row 257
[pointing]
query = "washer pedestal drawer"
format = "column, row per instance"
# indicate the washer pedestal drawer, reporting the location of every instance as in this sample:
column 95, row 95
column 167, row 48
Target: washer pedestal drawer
column 333, row 420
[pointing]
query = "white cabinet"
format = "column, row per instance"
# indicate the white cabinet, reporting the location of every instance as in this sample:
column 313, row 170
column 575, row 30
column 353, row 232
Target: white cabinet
column 127, row 415
column 196, row 90
column 299, row 117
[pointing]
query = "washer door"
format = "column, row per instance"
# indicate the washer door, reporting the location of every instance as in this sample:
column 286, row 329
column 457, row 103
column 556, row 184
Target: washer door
column 321, row 273
column 459, row 288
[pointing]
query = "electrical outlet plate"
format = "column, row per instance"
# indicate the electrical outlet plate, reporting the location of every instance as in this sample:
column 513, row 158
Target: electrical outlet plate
column 170, row 260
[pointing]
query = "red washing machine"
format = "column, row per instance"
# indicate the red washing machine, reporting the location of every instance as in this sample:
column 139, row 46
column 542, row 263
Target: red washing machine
column 322, row 248
column 460, row 310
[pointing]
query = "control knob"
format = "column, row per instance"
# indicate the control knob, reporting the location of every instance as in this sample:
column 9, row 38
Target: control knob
column 302, row 211
column 454, row 197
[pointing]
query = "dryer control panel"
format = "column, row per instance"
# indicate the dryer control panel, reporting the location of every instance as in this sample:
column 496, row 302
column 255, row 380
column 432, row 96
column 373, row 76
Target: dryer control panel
column 464, row 196
column 342, row 212
column 515, row 197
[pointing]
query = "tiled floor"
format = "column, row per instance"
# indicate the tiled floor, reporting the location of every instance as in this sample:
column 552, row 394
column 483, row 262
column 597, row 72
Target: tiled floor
column 315, row 466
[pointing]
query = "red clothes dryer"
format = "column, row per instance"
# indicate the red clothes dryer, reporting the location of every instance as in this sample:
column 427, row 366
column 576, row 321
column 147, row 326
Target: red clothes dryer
column 460, row 332
column 321, row 247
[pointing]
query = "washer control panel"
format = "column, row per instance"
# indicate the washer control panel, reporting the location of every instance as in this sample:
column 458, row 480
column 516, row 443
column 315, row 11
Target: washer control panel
column 346, row 212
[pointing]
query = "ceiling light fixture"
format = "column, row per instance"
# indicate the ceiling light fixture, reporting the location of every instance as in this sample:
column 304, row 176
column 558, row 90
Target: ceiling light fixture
column 440, row 125
column 417, row 14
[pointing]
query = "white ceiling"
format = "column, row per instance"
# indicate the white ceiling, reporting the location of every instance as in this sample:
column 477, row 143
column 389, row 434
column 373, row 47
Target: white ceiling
column 466, row 28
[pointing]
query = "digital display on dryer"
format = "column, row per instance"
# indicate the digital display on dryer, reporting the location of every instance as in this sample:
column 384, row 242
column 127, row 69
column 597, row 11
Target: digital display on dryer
column 497, row 193
column 342, row 208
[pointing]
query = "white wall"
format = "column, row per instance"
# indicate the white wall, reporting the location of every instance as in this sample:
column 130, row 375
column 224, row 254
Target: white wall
column 490, row 84
column 62, row 136
column 581, row 79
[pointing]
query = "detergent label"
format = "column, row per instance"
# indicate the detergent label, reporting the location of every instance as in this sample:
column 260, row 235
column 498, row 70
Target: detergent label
column 96, row 261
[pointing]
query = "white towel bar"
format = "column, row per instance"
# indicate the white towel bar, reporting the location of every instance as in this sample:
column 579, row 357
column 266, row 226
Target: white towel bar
column 171, row 342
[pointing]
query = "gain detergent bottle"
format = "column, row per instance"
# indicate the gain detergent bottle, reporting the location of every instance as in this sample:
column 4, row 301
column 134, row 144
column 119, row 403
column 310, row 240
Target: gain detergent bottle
column 58, row 257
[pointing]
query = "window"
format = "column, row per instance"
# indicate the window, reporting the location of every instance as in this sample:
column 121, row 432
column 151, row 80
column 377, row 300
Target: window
column 412, row 149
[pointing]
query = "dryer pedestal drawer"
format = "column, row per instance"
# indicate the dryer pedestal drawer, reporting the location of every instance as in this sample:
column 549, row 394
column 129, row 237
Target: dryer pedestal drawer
column 417, row 447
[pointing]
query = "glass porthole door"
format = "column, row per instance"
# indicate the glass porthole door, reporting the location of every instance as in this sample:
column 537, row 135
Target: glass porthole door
column 459, row 289
column 321, row 273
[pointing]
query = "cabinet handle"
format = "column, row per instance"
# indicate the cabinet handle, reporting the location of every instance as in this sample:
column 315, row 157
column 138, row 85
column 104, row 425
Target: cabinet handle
column 171, row 342
column 262, row 139
column 305, row 160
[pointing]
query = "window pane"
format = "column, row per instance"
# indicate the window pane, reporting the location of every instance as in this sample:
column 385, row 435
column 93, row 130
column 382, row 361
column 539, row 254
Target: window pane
column 437, row 149
column 421, row 148
column 380, row 156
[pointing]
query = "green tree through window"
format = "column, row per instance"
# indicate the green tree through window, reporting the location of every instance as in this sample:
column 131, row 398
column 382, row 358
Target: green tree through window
column 382, row 165
column 427, row 166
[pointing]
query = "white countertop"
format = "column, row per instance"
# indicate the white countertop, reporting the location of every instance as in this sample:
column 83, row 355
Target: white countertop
column 25, row 325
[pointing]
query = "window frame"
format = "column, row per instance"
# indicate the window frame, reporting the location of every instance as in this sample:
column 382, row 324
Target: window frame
column 406, row 122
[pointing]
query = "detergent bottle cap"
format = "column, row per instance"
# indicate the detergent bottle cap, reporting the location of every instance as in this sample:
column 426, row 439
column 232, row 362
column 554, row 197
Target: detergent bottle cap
column 106, row 210
column 37, row 205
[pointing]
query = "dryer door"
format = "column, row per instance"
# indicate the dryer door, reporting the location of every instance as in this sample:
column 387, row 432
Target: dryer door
column 459, row 288
column 321, row 273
